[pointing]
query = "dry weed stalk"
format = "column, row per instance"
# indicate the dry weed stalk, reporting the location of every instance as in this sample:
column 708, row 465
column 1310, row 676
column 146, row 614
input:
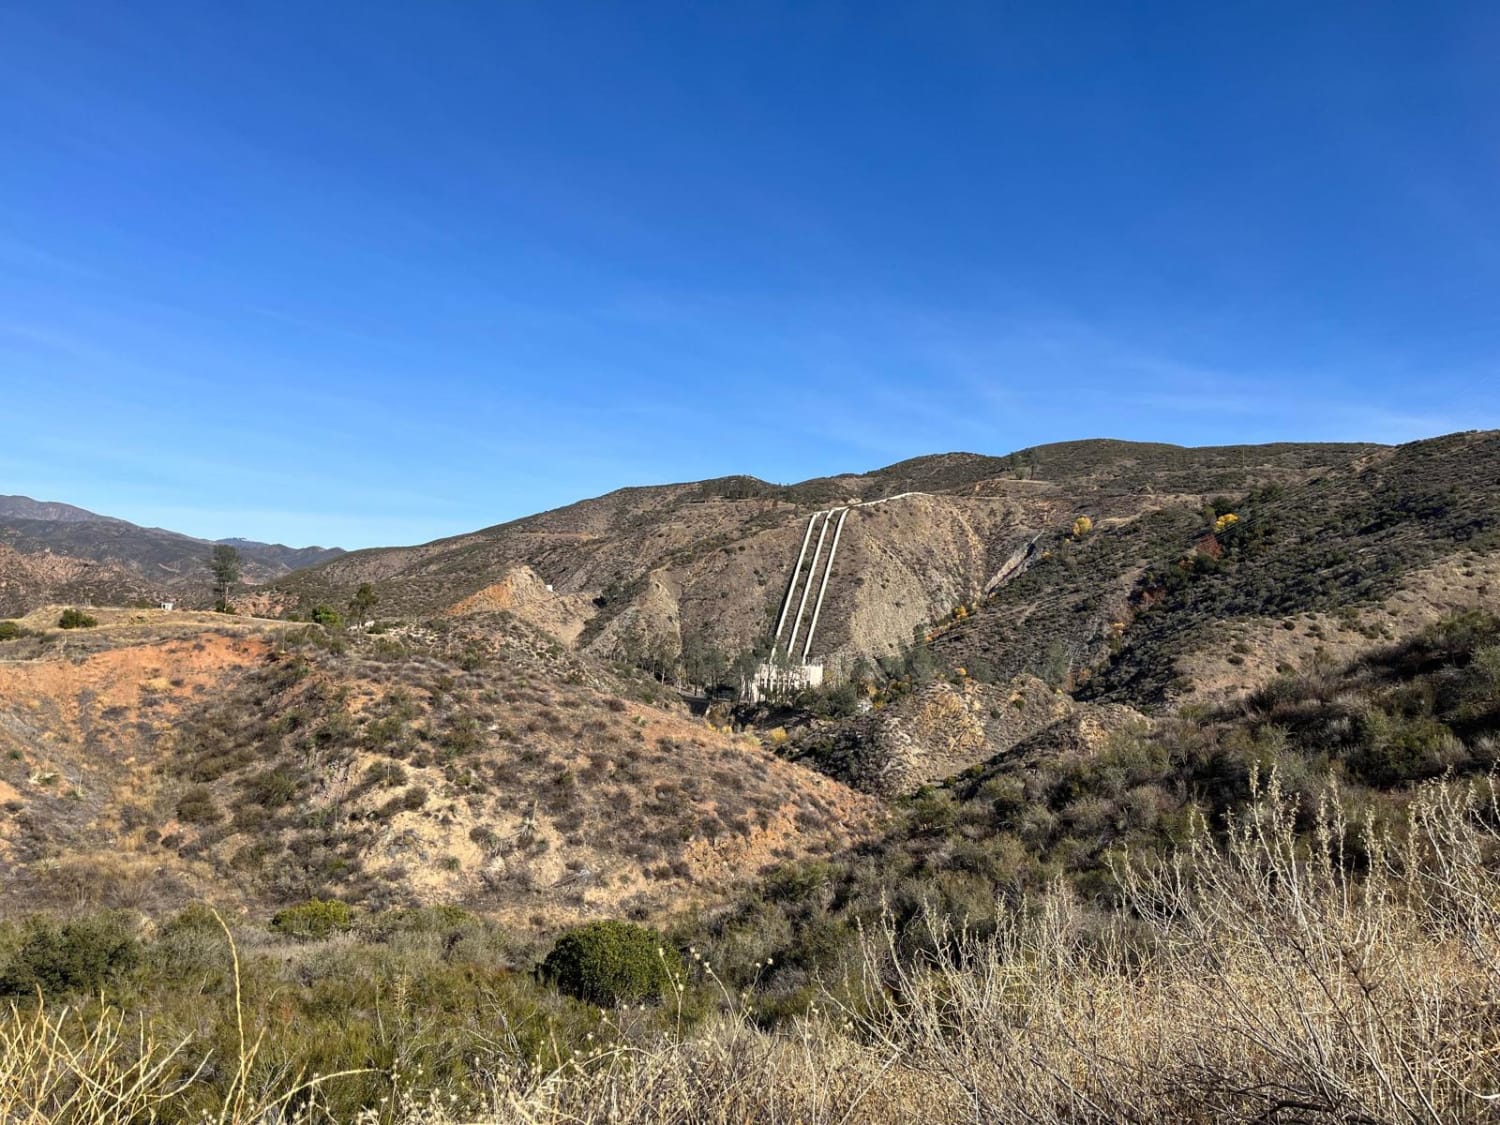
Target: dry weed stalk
column 69, row 1068
column 1255, row 981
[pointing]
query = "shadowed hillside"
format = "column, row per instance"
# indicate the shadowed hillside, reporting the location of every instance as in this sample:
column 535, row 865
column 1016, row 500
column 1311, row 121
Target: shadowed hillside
column 1112, row 611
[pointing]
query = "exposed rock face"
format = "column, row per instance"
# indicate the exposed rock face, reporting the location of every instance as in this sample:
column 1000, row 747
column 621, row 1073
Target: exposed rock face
column 652, row 620
column 937, row 732
column 1085, row 730
column 522, row 592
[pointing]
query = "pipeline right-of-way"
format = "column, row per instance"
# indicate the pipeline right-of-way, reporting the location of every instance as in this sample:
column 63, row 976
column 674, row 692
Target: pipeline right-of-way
column 804, row 579
column 817, row 573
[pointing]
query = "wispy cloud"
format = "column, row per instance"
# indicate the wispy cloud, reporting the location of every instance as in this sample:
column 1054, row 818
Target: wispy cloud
column 20, row 253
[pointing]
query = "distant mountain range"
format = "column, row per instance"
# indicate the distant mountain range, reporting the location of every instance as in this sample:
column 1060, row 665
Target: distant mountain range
column 61, row 552
column 980, row 553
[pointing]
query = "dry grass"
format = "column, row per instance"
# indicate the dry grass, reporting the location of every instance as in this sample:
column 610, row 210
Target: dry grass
column 1255, row 981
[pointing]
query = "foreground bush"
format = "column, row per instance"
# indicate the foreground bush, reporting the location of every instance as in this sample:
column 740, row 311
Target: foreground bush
column 63, row 958
column 610, row 963
column 76, row 619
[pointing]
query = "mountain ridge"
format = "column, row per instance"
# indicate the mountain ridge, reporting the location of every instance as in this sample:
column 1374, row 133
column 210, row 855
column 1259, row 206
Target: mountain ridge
column 126, row 561
column 695, row 564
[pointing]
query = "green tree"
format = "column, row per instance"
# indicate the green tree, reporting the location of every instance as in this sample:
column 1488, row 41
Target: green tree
column 224, row 562
column 703, row 664
column 363, row 602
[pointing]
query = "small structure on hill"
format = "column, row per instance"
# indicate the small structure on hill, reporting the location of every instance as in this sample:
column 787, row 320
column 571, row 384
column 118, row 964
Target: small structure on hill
column 773, row 680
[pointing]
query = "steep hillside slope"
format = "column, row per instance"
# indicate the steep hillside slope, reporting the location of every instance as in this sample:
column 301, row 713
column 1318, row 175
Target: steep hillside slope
column 162, row 757
column 31, row 580
column 706, row 565
column 1120, row 605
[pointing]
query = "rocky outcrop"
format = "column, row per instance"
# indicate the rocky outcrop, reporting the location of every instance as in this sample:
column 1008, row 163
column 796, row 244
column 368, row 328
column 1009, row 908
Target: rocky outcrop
column 1085, row 730
column 933, row 734
column 522, row 592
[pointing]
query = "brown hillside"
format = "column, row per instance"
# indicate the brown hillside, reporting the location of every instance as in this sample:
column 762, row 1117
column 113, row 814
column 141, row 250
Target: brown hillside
column 477, row 763
column 31, row 580
column 709, row 563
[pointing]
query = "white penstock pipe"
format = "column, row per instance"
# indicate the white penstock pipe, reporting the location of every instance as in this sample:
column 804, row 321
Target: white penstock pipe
column 791, row 591
column 791, row 644
column 833, row 549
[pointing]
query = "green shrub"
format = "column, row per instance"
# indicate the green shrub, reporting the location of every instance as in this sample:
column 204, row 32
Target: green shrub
column 313, row 919
column 81, row 955
column 314, row 636
column 11, row 630
column 195, row 918
column 611, row 962
column 326, row 616
column 76, row 619
column 1396, row 749
column 192, row 941
column 197, row 806
column 423, row 919
column 270, row 789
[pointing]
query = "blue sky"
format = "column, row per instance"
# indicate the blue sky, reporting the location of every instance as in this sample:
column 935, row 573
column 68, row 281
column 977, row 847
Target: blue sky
column 373, row 273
